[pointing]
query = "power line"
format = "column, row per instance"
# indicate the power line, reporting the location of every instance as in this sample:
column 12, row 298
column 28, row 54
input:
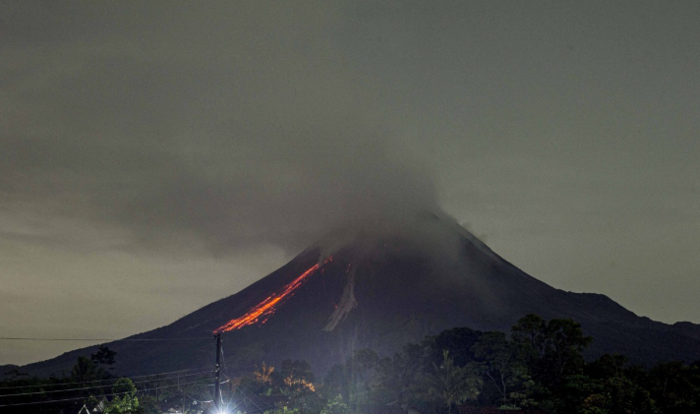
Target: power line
column 26, row 338
column 241, row 388
column 169, row 373
column 93, row 387
column 106, row 395
column 174, row 373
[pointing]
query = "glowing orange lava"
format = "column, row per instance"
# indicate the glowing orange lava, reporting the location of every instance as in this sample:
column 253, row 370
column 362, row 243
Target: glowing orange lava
column 262, row 311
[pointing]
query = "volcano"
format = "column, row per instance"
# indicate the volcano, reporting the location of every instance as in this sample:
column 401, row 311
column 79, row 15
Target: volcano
column 380, row 286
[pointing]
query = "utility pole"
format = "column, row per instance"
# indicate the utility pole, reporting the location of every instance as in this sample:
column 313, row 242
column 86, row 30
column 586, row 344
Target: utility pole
column 217, row 375
column 183, row 393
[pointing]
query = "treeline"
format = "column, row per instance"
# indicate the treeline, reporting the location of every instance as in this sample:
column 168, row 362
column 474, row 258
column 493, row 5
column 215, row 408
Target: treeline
column 537, row 367
column 91, row 382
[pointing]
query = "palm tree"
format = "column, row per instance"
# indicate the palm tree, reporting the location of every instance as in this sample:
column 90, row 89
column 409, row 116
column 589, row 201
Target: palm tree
column 264, row 376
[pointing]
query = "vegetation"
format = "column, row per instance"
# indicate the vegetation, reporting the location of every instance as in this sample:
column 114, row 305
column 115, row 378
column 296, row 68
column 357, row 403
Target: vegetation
column 537, row 367
column 90, row 382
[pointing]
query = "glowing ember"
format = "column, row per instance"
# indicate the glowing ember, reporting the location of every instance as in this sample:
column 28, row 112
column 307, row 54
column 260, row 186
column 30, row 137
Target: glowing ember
column 262, row 311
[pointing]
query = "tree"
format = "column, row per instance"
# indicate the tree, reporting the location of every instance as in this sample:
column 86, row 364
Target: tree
column 399, row 376
column 552, row 349
column 675, row 386
column 448, row 384
column 565, row 346
column 264, row 376
column 282, row 409
column 502, row 363
column 619, row 396
column 458, row 341
column 607, row 366
column 103, row 356
column 530, row 330
column 83, row 370
column 148, row 405
column 356, row 378
column 296, row 374
column 336, row 405
column 552, row 352
column 15, row 374
column 124, row 400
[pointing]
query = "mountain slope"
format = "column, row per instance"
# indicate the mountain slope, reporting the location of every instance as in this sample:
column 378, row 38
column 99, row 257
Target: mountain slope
column 380, row 287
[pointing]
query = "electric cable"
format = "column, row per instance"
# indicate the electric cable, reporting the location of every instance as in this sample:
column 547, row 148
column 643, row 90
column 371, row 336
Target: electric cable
column 111, row 380
column 105, row 395
column 90, row 388
column 26, row 338
column 238, row 387
column 246, row 396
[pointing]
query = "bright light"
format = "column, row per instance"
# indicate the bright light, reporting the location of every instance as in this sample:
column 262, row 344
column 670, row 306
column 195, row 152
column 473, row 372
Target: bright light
column 227, row 409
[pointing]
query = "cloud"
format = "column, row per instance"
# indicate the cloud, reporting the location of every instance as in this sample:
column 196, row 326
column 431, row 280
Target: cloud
column 216, row 146
column 283, row 192
column 229, row 129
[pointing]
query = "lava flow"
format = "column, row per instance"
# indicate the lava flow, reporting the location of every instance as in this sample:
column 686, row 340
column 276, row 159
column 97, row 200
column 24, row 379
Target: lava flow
column 267, row 307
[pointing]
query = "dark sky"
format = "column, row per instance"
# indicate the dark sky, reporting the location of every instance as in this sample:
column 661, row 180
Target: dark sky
column 158, row 156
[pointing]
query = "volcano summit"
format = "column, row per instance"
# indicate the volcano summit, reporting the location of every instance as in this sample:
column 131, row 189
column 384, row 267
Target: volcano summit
column 379, row 287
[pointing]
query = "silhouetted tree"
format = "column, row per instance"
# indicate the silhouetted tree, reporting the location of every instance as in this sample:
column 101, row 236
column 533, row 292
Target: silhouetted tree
column 552, row 349
column 449, row 385
column 458, row 341
column 83, row 370
column 103, row 356
column 503, row 366
column 399, row 376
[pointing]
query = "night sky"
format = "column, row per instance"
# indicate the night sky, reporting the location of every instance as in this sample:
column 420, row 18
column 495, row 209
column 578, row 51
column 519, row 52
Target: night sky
column 158, row 156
